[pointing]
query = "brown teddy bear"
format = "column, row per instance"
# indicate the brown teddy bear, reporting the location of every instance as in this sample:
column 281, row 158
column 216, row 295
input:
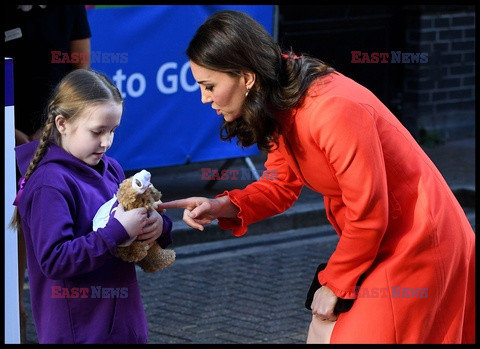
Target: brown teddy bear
column 134, row 192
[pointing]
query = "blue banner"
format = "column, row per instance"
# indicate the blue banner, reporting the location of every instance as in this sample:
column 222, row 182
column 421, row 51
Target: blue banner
column 142, row 49
column 8, row 81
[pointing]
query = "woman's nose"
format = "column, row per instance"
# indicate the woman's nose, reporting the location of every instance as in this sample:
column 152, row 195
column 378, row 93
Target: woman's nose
column 206, row 98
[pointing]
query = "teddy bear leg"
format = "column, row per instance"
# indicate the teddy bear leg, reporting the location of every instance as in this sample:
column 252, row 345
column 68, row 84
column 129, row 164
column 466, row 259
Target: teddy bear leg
column 157, row 258
column 134, row 252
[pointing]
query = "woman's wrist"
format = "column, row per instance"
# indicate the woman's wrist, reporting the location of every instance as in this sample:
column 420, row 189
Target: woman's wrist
column 226, row 208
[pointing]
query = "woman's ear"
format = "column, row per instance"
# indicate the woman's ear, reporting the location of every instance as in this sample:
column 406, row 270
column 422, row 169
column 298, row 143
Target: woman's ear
column 249, row 78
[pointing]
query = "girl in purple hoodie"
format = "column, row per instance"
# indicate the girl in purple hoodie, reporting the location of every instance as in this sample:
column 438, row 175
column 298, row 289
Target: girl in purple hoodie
column 80, row 292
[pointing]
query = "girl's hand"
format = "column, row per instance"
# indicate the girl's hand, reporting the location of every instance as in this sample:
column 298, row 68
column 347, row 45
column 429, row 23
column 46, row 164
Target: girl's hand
column 153, row 228
column 132, row 220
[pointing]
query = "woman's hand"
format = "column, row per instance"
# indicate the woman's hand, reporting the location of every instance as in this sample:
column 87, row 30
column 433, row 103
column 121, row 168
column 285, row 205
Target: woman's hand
column 200, row 211
column 323, row 304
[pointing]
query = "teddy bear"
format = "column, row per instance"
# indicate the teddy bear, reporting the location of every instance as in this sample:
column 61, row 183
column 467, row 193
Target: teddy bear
column 137, row 191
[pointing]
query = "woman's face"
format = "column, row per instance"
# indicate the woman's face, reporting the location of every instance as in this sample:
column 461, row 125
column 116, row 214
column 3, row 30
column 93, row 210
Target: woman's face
column 225, row 92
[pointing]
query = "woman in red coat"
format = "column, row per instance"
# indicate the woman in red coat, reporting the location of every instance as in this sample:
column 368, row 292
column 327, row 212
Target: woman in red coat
column 406, row 252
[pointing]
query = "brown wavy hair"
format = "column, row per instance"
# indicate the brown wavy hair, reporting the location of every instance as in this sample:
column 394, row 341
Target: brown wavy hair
column 233, row 42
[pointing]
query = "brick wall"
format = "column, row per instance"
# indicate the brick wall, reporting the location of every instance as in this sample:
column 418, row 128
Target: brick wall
column 439, row 95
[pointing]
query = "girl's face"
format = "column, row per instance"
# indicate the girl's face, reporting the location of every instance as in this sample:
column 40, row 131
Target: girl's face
column 226, row 93
column 91, row 133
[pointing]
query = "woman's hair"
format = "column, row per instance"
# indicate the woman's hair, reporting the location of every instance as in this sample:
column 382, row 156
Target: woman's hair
column 233, row 42
column 78, row 90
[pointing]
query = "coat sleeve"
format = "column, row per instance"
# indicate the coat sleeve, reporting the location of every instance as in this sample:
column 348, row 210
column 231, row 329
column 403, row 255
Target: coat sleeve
column 348, row 136
column 166, row 238
column 276, row 190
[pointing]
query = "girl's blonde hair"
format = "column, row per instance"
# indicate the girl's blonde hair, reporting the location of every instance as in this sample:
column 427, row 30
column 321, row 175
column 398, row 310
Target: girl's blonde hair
column 78, row 90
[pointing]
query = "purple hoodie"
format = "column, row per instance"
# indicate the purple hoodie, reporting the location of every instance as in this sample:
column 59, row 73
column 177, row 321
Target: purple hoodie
column 80, row 292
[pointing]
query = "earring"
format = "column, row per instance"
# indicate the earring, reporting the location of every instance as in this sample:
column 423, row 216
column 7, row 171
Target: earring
column 246, row 93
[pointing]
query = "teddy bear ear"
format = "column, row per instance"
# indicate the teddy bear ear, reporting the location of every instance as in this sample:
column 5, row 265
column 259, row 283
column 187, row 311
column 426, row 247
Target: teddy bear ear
column 137, row 184
column 141, row 181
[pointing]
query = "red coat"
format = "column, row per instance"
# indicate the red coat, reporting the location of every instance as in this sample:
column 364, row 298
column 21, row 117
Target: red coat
column 400, row 226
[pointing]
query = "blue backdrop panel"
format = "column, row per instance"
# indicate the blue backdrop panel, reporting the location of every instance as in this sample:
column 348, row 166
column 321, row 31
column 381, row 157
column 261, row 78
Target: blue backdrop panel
column 142, row 49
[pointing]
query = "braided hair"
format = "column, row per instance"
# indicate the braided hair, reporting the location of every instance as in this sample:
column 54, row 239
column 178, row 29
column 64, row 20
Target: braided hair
column 78, row 90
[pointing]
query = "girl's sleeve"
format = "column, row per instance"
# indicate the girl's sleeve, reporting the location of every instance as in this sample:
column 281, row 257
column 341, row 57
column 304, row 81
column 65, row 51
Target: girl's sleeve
column 59, row 252
column 166, row 238
column 276, row 190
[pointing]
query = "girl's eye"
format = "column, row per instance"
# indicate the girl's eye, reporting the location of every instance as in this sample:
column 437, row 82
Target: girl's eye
column 97, row 132
column 209, row 88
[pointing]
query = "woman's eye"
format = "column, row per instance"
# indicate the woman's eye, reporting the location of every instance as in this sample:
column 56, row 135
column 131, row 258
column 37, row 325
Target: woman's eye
column 208, row 88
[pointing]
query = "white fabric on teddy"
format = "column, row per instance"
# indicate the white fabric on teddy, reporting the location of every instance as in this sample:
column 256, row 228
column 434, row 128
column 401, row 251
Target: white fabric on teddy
column 103, row 215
